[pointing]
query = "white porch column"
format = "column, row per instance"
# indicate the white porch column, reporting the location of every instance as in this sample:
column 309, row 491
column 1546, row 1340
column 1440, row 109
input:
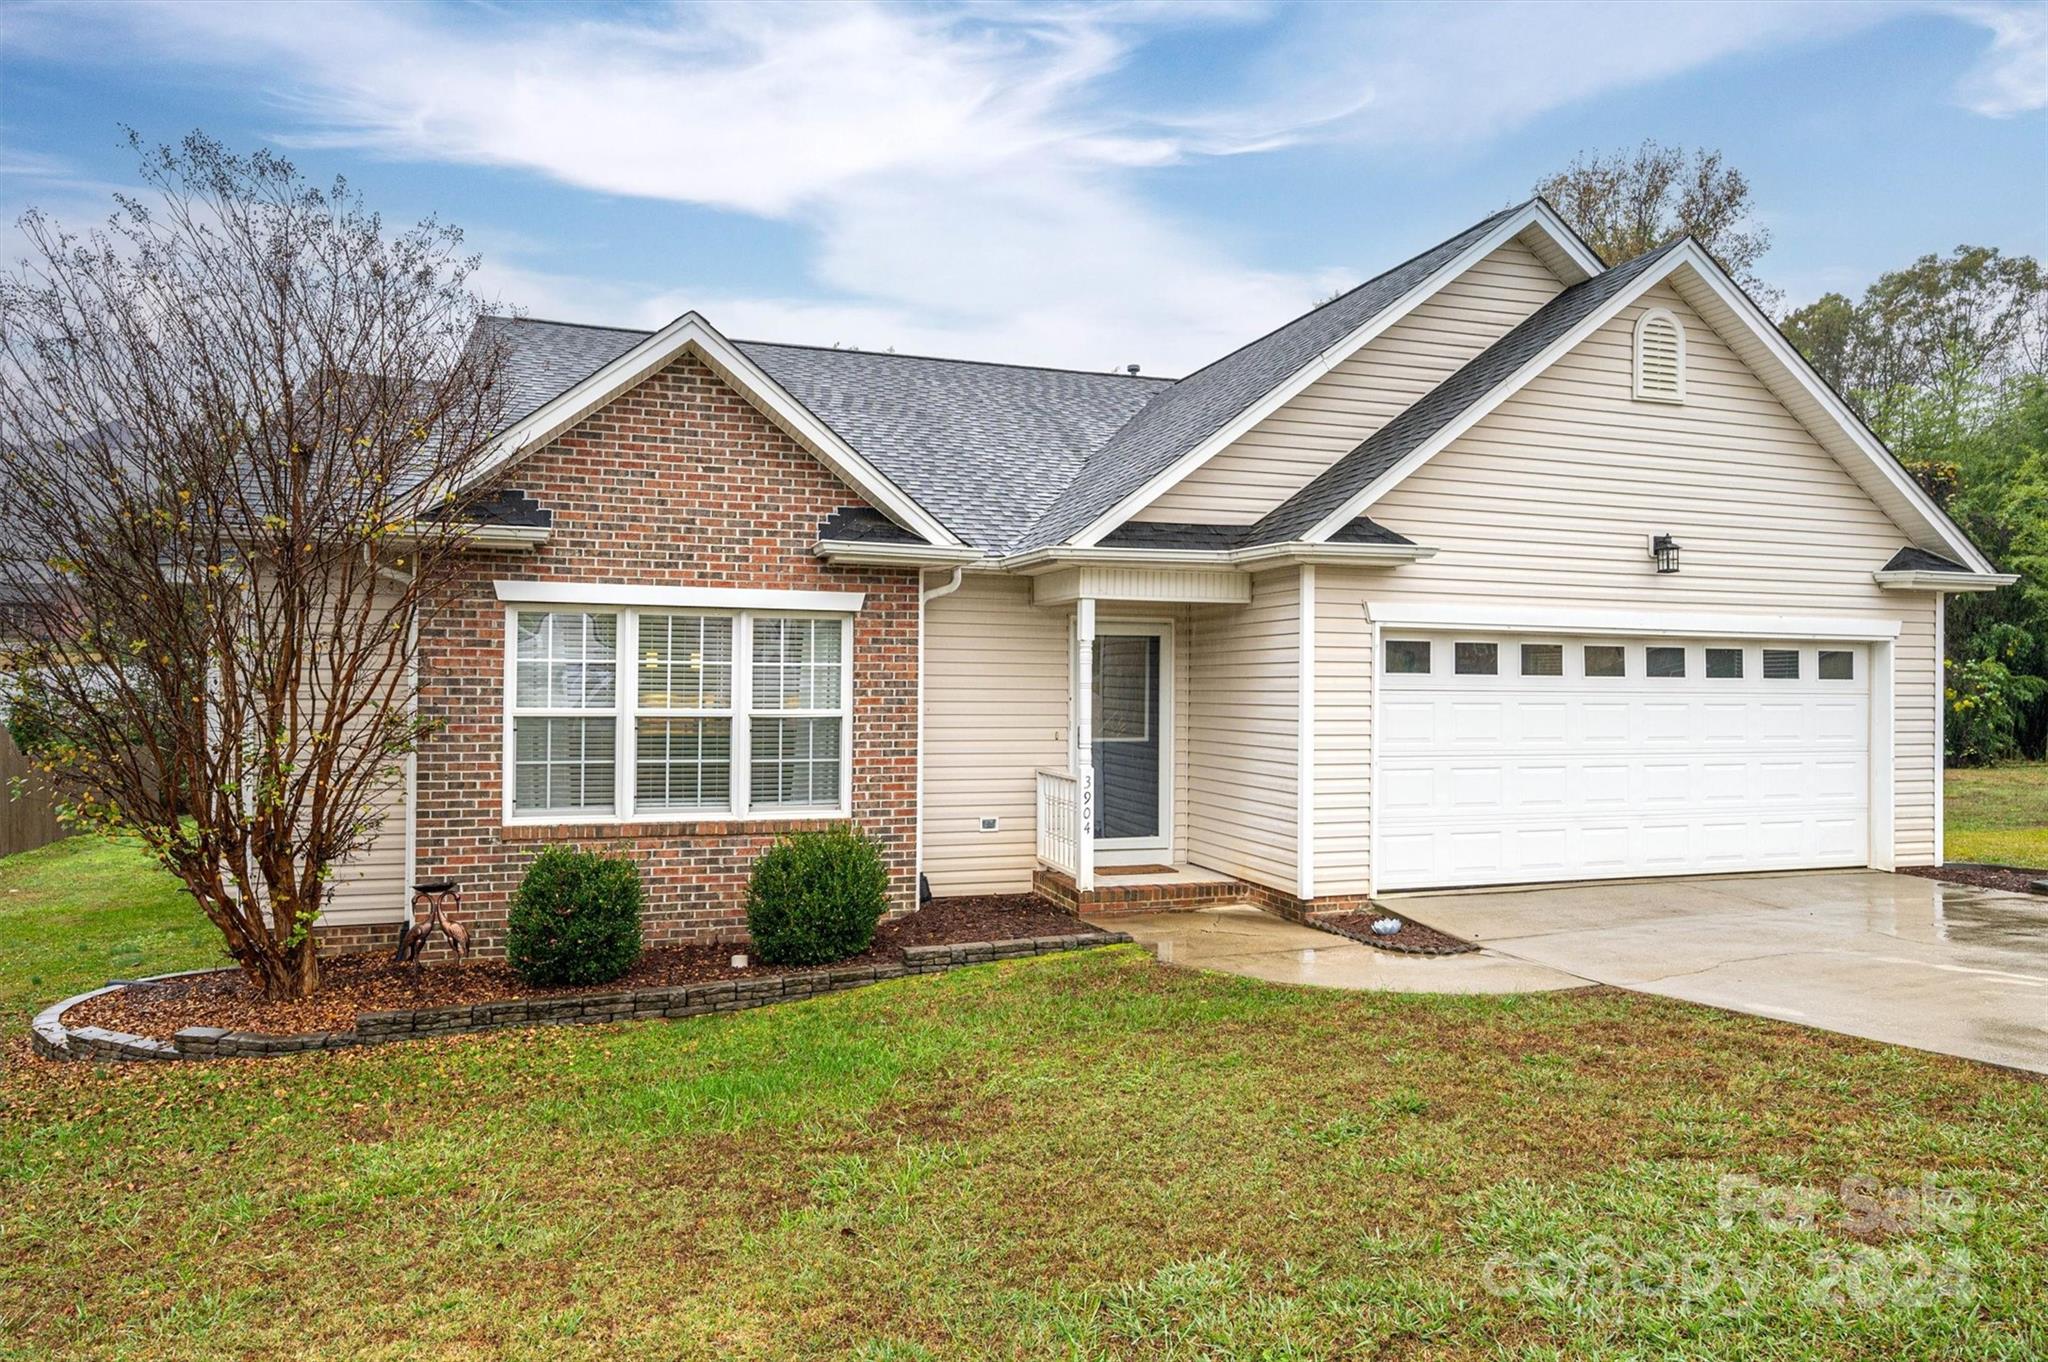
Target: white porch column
column 1084, row 750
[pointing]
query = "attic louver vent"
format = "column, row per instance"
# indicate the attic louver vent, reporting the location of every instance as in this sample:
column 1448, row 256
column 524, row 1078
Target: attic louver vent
column 1660, row 358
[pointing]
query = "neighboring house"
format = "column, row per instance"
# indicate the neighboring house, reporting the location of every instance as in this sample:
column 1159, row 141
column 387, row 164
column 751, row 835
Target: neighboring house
column 1369, row 604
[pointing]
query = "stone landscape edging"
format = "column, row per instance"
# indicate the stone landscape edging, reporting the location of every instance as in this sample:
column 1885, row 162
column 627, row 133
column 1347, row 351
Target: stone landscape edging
column 52, row 1039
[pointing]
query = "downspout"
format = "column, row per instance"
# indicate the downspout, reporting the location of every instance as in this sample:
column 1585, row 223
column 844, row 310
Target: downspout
column 924, row 597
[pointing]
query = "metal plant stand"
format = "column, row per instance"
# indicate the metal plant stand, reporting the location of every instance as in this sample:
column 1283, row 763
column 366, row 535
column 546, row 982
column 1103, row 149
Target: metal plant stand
column 435, row 896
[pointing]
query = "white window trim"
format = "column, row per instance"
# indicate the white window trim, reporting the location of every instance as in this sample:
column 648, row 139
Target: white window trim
column 1643, row 324
column 626, row 712
column 592, row 595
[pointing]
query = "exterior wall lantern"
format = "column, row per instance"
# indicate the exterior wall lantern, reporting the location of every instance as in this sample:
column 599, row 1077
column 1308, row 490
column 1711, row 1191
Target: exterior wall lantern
column 1664, row 549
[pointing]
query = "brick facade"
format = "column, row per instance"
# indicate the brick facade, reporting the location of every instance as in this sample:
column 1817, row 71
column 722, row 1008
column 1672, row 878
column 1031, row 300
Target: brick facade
column 678, row 482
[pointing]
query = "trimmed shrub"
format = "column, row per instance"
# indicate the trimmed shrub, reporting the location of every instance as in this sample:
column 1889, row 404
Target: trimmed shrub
column 575, row 918
column 814, row 897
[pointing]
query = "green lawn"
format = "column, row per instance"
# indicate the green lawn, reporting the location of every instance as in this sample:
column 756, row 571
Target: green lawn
column 1090, row 1156
column 82, row 911
column 1998, row 814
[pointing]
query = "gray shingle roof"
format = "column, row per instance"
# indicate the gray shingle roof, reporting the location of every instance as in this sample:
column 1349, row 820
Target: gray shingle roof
column 1443, row 404
column 864, row 525
column 1198, row 406
column 983, row 447
column 1910, row 559
column 1160, row 534
column 1011, row 456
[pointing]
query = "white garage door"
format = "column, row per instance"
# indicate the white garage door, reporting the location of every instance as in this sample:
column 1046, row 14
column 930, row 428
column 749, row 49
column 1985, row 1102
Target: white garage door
column 1512, row 760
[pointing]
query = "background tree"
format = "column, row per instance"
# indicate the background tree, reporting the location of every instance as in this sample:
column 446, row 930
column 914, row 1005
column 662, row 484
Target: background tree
column 228, row 420
column 1947, row 361
column 1930, row 348
column 1626, row 202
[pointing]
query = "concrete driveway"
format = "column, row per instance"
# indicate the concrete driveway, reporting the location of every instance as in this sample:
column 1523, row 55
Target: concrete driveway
column 1939, row 967
column 1241, row 939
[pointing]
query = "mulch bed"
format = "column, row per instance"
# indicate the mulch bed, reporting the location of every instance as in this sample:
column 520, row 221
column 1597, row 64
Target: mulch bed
column 370, row 982
column 1414, row 938
column 2015, row 878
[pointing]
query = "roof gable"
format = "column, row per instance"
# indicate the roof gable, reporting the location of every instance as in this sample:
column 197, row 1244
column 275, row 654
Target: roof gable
column 1379, row 464
column 984, row 448
column 1354, row 397
column 1190, row 422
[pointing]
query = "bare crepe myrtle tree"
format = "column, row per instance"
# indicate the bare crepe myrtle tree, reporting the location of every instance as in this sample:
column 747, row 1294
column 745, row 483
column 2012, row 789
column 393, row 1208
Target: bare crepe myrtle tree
column 231, row 423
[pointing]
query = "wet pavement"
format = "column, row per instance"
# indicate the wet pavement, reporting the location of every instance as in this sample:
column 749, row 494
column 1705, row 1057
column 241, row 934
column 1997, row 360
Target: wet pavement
column 1942, row 967
column 1243, row 940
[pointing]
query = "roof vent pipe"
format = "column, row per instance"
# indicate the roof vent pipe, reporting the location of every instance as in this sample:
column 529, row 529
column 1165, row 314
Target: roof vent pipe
column 1131, row 369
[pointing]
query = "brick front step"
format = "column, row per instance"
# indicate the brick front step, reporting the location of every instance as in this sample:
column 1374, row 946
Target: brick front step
column 1138, row 898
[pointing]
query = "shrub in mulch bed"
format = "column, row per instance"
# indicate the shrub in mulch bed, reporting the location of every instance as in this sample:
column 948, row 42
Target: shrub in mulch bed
column 2015, row 878
column 370, row 982
column 575, row 918
column 815, row 897
column 1414, row 938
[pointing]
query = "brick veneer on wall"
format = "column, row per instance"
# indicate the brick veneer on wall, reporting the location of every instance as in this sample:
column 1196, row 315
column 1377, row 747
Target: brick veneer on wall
column 677, row 482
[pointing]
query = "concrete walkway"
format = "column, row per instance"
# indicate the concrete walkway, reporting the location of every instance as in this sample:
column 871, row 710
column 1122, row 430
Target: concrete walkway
column 1948, row 968
column 1244, row 940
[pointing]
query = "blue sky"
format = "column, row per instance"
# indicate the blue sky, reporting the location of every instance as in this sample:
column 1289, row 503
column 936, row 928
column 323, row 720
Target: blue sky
column 1069, row 184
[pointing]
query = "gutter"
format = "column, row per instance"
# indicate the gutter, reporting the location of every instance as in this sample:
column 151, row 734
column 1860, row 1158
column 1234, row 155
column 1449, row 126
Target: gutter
column 1916, row 579
column 1294, row 552
column 492, row 536
column 857, row 553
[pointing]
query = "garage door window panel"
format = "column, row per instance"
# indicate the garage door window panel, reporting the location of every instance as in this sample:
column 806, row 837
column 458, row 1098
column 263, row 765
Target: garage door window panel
column 1781, row 664
column 1837, row 665
column 1606, row 660
column 1543, row 659
column 1408, row 657
column 1724, row 664
column 1664, row 662
column 1477, row 659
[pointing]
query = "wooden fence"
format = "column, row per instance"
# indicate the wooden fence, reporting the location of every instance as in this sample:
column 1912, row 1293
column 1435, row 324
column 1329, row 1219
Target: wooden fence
column 31, row 820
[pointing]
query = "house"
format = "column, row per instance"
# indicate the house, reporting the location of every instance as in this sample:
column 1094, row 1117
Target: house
column 1503, row 567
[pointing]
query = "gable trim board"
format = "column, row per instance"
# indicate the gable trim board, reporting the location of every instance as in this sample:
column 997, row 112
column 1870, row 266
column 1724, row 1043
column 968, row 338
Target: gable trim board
column 691, row 333
column 1684, row 254
column 1535, row 216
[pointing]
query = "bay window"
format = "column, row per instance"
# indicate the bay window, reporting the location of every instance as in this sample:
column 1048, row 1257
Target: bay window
column 622, row 713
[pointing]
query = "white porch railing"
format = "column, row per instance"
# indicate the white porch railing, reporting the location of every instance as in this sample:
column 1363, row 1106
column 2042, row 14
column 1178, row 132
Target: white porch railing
column 1058, row 798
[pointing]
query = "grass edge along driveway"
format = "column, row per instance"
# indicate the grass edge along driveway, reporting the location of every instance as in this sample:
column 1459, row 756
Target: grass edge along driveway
column 1997, row 814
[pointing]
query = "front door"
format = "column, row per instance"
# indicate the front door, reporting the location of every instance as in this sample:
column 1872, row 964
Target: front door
column 1130, row 745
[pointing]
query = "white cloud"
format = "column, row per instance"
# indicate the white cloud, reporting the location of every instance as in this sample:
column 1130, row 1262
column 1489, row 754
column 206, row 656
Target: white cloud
column 966, row 174
column 1434, row 75
column 2012, row 76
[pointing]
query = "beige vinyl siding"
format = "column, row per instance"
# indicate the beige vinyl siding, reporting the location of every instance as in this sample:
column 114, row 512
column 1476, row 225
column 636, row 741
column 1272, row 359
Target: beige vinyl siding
column 371, row 886
column 1916, row 736
column 1550, row 498
column 997, row 707
column 1363, row 392
column 1242, row 736
column 1343, row 732
column 995, row 710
